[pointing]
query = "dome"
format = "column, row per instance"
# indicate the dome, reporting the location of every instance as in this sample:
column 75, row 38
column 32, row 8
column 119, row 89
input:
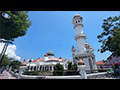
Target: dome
column 76, row 15
column 23, row 63
column 60, row 57
column 45, row 55
column 91, row 47
column 50, row 53
column 80, row 62
column 86, row 43
column 73, row 48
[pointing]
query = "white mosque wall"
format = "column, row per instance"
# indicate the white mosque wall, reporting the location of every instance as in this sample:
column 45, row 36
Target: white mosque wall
column 78, row 29
column 80, row 44
column 87, row 66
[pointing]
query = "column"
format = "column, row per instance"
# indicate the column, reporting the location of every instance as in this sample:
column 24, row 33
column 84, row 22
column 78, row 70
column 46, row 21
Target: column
column 49, row 67
column 33, row 68
column 29, row 68
column 52, row 67
column 36, row 68
column 41, row 67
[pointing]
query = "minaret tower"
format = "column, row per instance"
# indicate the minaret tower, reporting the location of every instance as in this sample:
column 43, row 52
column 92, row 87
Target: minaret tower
column 85, row 51
column 80, row 36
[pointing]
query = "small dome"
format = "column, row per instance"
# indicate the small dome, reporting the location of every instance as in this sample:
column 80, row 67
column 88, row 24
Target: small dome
column 60, row 57
column 80, row 62
column 73, row 48
column 23, row 63
column 91, row 47
column 86, row 43
column 76, row 15
column 45, row 55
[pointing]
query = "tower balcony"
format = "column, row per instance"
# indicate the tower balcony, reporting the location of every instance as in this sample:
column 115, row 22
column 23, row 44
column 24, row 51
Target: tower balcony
column 80, row 35
column 82, row 54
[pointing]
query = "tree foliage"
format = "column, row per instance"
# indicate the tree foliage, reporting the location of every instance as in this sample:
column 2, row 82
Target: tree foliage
column 6, row 61
column 14, row 27
column 11, row 62
column 110, row 37
column 69, row 65
column 15, row 64
column 58, row 70
column 74, row 67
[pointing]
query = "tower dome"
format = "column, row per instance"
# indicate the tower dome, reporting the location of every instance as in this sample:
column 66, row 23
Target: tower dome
column 23, row 63
column 77, row 16
column 50, row 53
column 80, row 62
column 45, row 55
column 73, row 48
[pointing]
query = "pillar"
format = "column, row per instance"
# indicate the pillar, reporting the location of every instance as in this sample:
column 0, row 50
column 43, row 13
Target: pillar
column 36, row 68
column 29, row 68
column 52, row 67
column 39, row 67
column 43, row 67
column 33, row 68
column 49, row 67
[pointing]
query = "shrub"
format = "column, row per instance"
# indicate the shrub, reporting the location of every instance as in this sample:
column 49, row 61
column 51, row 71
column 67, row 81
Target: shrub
column 31, row 72
column 58, row 70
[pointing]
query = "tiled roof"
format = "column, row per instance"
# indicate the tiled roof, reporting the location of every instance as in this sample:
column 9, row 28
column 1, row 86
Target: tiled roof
column 39, row 60
column 53, row 59
column 118, row 63
column 112, row 59
column 100, row 63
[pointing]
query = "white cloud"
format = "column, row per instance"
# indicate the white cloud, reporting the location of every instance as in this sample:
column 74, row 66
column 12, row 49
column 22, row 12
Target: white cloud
column 10, row 51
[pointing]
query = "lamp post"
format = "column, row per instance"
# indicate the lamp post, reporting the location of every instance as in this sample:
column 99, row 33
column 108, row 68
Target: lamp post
column 7, row 42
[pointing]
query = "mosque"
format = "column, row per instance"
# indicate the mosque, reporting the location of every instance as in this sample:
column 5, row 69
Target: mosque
column 46, row 63
column 84, row 57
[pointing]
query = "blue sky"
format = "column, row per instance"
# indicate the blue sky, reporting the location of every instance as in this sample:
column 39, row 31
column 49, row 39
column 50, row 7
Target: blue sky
column 54, row 30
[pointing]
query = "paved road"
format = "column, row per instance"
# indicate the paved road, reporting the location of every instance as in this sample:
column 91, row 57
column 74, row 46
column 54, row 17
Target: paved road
column 6, row 75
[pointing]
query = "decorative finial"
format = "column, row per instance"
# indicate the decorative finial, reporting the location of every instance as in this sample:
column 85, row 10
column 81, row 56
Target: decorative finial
column 24, row 60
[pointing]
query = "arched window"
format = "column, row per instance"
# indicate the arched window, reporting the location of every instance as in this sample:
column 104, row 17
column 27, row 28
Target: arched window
column 76, row 21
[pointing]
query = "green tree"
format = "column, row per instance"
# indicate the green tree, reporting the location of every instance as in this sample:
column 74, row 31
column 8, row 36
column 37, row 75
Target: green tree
column 110, row 37
column 58, row 70
column 6, row 61
column 15, row 64
column 14, row 27
column 72, row 70
column 74, row 67
column 69, row 65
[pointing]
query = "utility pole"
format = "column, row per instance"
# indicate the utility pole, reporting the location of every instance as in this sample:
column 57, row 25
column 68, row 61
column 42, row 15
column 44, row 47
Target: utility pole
column 6, row 16
column 3, row 51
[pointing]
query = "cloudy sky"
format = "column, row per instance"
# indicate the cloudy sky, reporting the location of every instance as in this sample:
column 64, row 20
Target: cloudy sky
column 10, row 51
column 54, row 30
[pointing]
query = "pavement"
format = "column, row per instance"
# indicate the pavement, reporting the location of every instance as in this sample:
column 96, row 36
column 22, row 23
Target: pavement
column 6, row 75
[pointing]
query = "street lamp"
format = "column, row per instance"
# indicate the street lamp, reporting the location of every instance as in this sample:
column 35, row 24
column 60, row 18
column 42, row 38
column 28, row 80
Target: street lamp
column 6, row 16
